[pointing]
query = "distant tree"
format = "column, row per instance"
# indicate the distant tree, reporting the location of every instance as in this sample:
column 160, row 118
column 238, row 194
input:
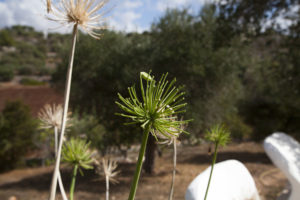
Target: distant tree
column 17, row 130
column 6, row 39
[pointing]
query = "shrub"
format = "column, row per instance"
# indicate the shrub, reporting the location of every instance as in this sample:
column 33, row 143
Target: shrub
column 6, row 74
column 17, row 129
column 32, row 82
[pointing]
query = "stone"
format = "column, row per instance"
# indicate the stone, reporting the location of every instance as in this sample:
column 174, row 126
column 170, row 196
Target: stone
column 231, row 180
column 284, row 151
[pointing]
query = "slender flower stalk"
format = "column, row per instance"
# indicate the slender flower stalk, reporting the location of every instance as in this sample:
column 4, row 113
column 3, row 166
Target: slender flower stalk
column 220, row 136
column 171, row 140
column 174, row 169
column 64, row 117
column 156, row 113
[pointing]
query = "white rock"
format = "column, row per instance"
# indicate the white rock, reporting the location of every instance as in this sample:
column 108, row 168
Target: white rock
column 284, row 151
column 231, row 180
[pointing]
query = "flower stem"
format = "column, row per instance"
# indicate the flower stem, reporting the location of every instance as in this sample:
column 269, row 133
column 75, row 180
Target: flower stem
column 212, row 168
column 55, row 140
column 64, row 118
column 174, row 169
column 139, row 164
column 72, row 187
column 107, row 187
column 60, row 183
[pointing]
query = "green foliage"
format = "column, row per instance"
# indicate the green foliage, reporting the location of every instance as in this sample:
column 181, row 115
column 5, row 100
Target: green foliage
column 17, row 131
column 6, row 39
column 29, row 55
column 6, row 73
column 87, row 125
column 31, row 82
column 76, row 152
column 232, row 73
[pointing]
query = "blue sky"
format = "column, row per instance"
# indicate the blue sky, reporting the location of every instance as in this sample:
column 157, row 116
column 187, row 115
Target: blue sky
column 125, row 15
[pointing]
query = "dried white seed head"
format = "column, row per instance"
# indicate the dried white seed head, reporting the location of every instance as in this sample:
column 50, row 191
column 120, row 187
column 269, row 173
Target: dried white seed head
column 51, row 116
column 84, row 13
column 108, row 168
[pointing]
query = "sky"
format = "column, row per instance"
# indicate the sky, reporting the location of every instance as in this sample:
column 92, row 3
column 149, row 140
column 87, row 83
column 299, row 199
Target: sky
column 122, row 15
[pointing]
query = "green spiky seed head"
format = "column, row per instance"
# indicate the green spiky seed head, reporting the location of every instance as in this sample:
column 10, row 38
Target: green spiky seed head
column 158, row 108
column 218, row 134
column 76, row 152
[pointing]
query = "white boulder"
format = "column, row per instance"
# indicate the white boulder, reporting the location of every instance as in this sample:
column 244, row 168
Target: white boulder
column 231, row 180
column 284, row 152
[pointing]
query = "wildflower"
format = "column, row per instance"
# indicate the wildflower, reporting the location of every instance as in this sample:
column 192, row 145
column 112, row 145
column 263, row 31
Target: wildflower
column 76, row 152
column 156, row 113
column 218, row 134
column 84, row 13
column 161, row 103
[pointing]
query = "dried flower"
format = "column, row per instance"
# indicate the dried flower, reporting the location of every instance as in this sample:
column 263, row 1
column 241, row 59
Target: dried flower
column 84, row 13
column 51, row 116
column 49, row 9
column 108, row 168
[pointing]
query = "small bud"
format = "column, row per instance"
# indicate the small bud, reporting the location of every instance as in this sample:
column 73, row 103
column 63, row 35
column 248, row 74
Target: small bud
column 146, row 76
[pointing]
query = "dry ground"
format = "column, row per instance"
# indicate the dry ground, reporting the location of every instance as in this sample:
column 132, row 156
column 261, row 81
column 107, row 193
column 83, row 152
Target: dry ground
column 33, row 184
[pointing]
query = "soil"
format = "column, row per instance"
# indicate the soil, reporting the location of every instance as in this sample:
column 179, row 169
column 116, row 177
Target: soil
column 33, row 96
column 33, row 184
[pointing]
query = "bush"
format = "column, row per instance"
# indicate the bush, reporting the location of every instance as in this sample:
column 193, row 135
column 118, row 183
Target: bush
column 6, row 74
column 17, row 129
column 26, row 70
column 31, row 82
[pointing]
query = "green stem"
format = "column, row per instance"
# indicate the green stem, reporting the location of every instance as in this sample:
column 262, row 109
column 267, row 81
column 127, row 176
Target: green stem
column 72, row 187
column 212, row 168
column 139, row 164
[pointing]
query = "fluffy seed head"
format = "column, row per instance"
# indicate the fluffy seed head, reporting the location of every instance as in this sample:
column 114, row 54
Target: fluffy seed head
column 84, row 13
column 51, row 116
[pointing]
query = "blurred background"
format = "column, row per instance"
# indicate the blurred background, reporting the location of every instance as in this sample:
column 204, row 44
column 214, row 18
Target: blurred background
column 238, row 60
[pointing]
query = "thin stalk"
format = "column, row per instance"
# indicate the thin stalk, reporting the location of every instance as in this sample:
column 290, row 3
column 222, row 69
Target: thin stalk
column 107, row 187
column 139, row 164
column 174, row 169
column 60, row 183
column 212, row 168
column 55, row 140
column 64, row 118
column 72, row 187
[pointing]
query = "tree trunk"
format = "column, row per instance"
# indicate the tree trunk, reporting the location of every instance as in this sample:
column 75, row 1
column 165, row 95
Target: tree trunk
column 150, row 155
